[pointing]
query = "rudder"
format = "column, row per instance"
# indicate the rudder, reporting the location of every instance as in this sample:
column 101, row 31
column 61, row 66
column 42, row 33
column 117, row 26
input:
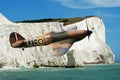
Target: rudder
column 15, row 37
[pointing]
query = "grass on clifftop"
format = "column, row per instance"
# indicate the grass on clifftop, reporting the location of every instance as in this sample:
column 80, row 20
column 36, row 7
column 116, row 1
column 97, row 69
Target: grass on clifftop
column 66, row 21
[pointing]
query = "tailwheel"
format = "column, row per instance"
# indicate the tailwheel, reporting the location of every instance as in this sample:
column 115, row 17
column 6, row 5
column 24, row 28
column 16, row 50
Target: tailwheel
column 23, row 49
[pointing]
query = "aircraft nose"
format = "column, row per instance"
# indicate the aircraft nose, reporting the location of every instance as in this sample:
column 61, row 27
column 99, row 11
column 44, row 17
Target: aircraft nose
column 89, row 32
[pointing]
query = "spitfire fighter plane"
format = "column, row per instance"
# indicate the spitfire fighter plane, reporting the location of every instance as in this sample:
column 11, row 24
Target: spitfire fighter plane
column 60, row 42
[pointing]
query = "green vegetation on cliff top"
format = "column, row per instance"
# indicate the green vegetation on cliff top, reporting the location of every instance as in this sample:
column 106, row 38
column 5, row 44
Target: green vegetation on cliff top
column 66, row 21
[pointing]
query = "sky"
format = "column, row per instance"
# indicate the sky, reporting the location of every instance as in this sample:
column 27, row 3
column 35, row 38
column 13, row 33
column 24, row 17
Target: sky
column 108, row 10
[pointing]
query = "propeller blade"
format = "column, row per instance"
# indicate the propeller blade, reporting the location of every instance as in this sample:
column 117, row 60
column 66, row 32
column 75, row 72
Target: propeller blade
column 88, row 31
column 88, row 37
column 87, row 26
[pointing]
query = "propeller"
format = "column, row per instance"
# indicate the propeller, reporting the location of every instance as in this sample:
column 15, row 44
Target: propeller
column 88, row 31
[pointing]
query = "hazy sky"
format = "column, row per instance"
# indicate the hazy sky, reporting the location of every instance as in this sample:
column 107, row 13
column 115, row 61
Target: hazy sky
column 108, row 10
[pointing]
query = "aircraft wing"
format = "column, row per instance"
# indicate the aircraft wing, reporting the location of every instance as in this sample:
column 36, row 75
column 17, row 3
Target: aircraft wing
column 60, row 48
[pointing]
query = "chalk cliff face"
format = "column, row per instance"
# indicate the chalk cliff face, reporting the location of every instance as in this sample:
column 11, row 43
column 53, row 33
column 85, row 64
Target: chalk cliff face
column 92, row 50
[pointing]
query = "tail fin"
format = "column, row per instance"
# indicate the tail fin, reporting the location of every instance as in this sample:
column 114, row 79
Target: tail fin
column 16, row 39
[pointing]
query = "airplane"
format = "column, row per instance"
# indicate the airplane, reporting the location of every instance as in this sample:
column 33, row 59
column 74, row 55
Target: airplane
column 60, row 42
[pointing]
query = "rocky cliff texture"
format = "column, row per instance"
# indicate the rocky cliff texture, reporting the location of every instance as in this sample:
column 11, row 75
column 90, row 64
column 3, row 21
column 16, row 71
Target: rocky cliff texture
column 93, row 50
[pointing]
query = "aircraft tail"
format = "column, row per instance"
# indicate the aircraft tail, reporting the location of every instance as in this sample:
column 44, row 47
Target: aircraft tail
column 16, row 39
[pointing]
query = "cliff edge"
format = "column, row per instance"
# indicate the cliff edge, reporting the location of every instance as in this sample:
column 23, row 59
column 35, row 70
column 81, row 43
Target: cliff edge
column 86, row 51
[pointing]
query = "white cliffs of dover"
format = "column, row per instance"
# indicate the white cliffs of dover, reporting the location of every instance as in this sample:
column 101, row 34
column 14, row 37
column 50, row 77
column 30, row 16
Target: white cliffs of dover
column 86, row 51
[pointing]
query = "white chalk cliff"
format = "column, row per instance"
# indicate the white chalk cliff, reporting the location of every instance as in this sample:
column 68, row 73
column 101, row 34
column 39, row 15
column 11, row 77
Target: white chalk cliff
column 94, row 50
